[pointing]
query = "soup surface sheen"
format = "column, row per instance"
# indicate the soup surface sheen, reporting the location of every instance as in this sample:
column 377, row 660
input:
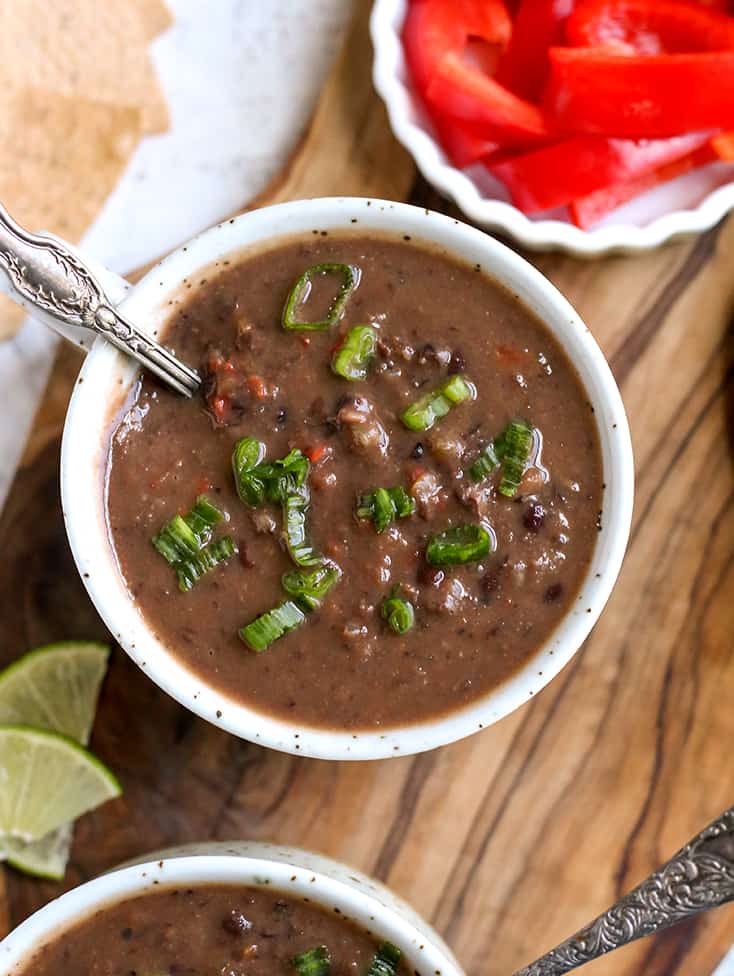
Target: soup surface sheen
column 475, row 624
column 211, row 930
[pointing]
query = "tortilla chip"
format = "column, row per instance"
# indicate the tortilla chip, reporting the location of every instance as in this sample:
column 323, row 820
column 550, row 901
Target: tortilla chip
column 154, row 15
column 86, row 48
column 61, row 158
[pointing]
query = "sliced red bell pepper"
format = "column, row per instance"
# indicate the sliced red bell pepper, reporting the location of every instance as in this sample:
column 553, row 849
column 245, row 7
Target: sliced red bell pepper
column 724, row 5
column 650, row 27
column 436, row 36
column 723, row 145
column 462, row 146
column 538, row 25
column 589, row 210
column 435, row 28
column 640, row 97
column 554, row 175
column 462, row 92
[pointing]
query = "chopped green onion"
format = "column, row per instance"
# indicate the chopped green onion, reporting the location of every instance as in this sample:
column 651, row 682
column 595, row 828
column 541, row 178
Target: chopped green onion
column 309, row 587
column 384, row 505
column 259, row 482
column 190, row 570
column 352, row 359
column 176, row 540
column 485, row 464
column 184, row 542
column 247, row 458
column 458, row 545
column 295, row 509
column 270, row 626
column 385, row 961
column 514, row 446
column 424, row 413
column 185, row 535
column 286, row 475
column 313, row 962
column 398, row 612
column 203, row 517
column 302, row 289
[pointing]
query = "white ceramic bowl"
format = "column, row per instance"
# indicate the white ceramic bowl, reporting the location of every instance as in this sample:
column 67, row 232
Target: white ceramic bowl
column 295, row 872
column 687, row 205
column 106, row 375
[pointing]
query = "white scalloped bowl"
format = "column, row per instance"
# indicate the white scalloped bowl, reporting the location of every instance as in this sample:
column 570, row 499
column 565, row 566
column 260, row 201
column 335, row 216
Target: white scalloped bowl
column 687, row 205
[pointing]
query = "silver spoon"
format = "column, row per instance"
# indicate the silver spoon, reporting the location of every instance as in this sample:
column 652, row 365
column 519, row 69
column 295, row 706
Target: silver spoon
column 47, row 277
column 697, row 878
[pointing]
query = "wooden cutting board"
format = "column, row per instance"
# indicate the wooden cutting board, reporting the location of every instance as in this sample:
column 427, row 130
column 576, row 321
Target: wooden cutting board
column 510, row 840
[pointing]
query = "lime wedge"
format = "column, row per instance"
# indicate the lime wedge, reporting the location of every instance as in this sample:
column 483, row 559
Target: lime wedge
column 47, row 780
column 55, row 688
column 44, row 858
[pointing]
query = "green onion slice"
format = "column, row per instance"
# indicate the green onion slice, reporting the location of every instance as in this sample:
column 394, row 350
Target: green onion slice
column 485, row 464
column 270, row 626
column 460, row 544
column 424, row 413
column 286, row 475
column 190, row 570
column 258, row 482
column 176, row 540
column 308, row 587
column 513, row 446
column 352, row 359
column 184, row 542
column 203, row 517
column 313, row 962
column 398, row 612
column 384, row 505
column 385, row 961
column 298, row 297
column 295, row 509
column 247, row 456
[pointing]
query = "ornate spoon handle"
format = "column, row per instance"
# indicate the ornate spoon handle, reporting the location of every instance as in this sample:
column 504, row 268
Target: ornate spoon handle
column 698, row 877
column 47, row 276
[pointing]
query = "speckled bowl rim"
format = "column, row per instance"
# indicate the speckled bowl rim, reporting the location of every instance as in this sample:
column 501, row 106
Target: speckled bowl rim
column 389, row 74
column 297, row 873
column 105, row 372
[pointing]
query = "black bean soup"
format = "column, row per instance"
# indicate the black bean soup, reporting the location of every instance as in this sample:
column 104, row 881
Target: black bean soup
column 386, row 499
column 215, row 929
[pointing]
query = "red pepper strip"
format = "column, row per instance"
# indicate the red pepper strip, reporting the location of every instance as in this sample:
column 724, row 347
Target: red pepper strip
column 641, row 97
column 435, row 28
column 539, row 24
column 711, row 4
column 462, row 146
column 554, row 175
column 650, row 27
column 463, row 93
column 723, row 145
column 589, row 210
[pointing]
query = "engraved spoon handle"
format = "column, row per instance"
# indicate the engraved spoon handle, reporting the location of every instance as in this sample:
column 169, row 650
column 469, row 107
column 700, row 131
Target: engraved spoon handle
column 46, row 275
column 698, row 877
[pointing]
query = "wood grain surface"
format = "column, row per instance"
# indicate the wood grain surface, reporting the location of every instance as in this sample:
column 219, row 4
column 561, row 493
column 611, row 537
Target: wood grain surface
column 510, row 840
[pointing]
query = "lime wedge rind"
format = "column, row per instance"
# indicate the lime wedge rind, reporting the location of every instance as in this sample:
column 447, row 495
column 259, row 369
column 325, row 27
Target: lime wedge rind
column 55, row 687
column 47, row 780
column 45, row 858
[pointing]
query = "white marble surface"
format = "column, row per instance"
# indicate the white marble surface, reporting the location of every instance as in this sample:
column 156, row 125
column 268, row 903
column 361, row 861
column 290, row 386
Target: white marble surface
column 241, row 77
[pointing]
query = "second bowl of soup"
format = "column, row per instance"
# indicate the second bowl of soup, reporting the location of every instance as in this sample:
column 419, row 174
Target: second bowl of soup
column 396, row 509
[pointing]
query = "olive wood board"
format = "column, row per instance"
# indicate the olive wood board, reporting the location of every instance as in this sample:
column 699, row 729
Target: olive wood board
column 510, row 840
